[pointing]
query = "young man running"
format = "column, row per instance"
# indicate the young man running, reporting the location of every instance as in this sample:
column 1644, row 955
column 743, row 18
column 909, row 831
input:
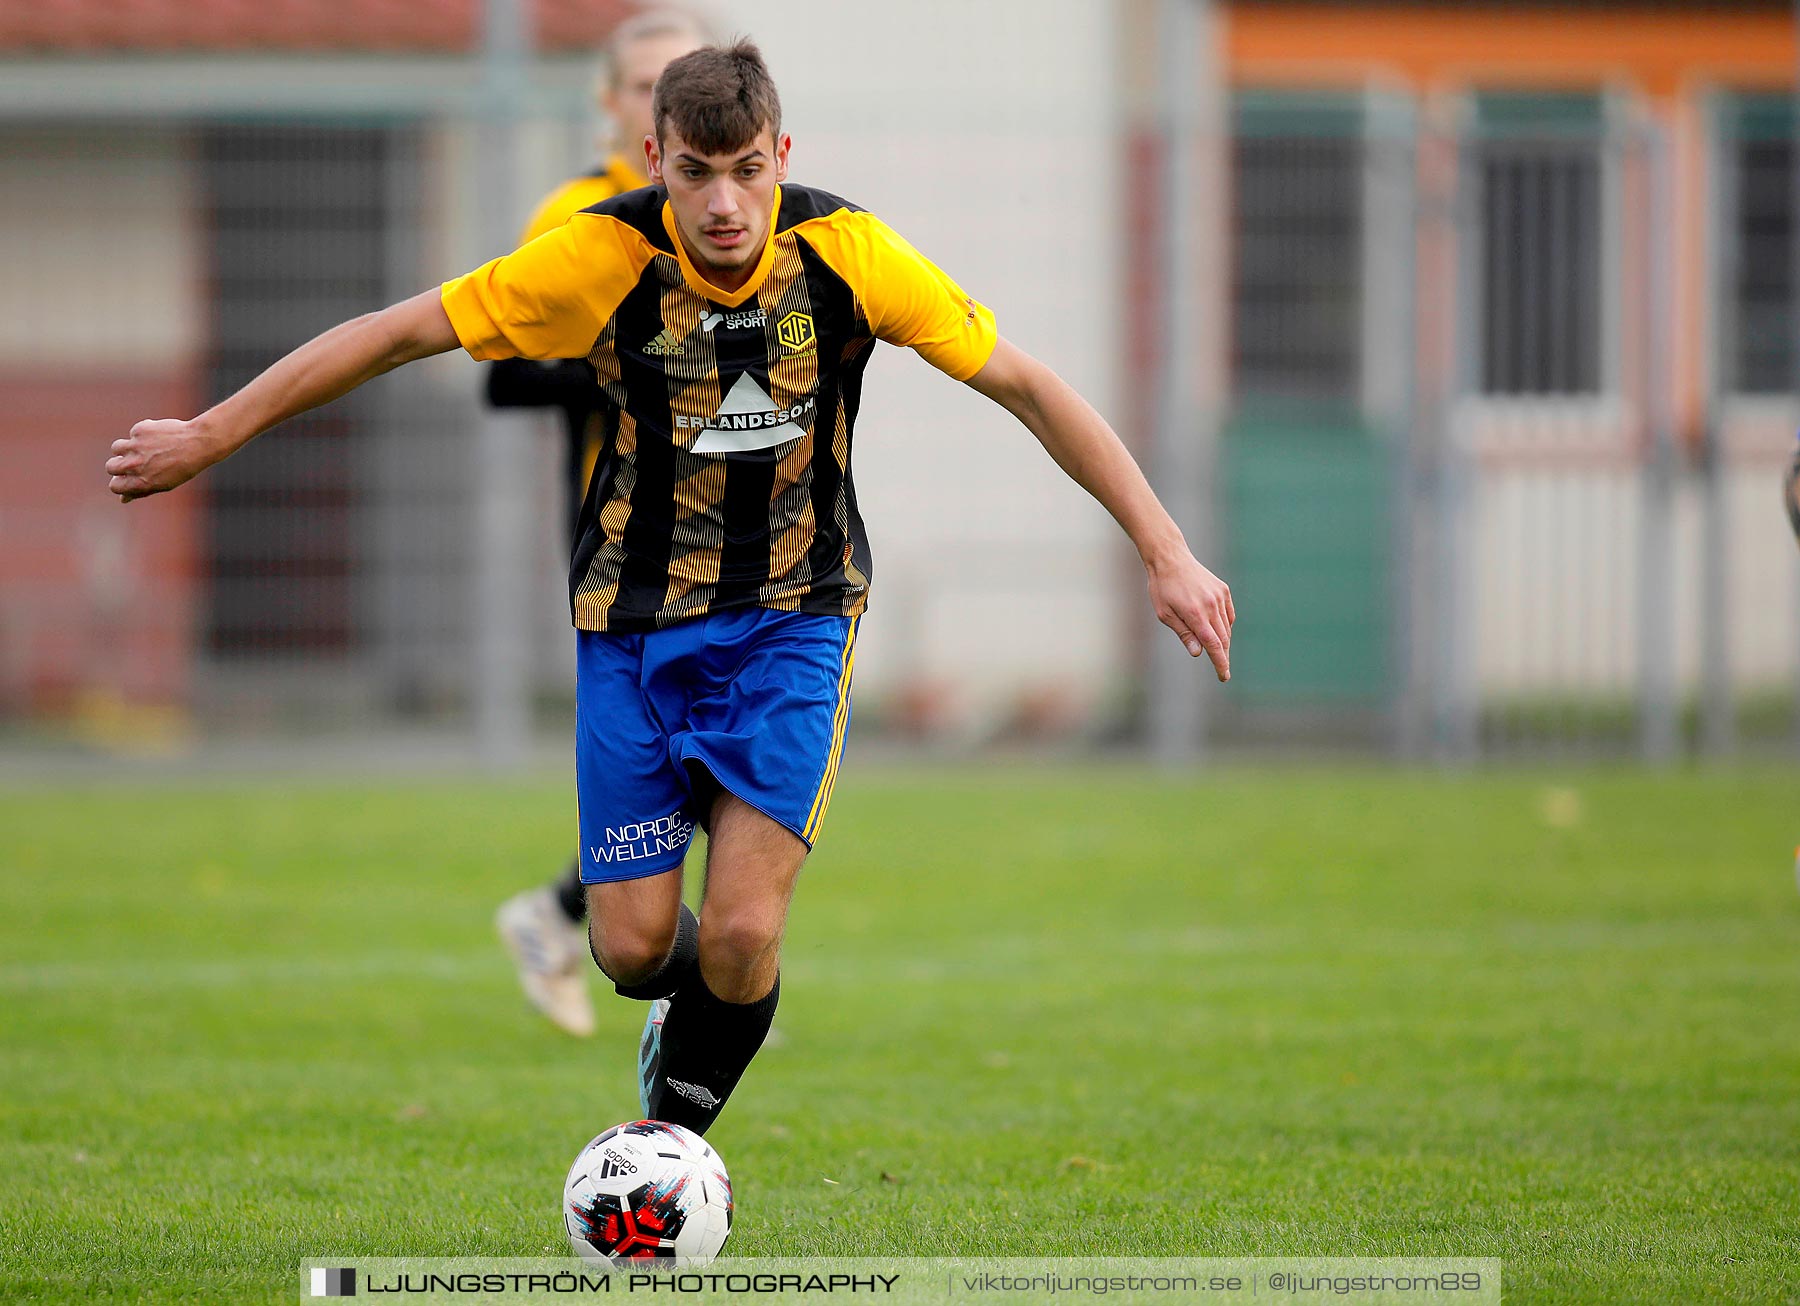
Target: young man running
column 545, row 929
column 722, row 566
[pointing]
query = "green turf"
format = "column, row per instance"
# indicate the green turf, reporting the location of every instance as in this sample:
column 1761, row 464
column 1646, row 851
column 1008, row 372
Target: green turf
column 1024, row 1012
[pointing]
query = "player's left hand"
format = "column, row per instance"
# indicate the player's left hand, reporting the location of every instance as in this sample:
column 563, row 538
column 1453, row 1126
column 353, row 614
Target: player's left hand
column 1197, row 606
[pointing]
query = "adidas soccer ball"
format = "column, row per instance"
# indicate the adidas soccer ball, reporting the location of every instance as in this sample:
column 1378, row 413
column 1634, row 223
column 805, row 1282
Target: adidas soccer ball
column 647, row 1190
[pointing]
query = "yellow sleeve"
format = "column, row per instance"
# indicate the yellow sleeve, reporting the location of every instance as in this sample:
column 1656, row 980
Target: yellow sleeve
column 550, row 298
column 908, row 299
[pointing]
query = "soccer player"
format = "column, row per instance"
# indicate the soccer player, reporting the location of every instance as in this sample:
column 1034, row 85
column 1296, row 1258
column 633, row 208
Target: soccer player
column 545, row 928
column 722, row 567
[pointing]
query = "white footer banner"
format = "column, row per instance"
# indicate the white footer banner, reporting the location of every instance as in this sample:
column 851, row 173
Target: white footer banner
column 1224, row 1281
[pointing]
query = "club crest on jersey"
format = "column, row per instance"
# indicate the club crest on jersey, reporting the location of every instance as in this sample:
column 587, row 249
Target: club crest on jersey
column 796, row 332
column 746, row 421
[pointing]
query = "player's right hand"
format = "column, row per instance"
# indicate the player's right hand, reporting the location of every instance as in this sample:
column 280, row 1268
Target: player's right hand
column 158, row 455
column 1197, row 606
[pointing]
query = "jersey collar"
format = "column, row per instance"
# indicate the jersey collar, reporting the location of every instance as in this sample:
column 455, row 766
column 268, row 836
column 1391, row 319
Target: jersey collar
column 698, row 283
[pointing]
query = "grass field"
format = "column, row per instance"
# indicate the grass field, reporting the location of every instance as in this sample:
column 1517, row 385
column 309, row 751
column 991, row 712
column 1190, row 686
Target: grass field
column 1554, row 1020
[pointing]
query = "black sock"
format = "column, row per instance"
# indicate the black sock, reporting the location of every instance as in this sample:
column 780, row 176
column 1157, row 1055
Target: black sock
column 707, row 1044
column 571, row 893
column 683, row 961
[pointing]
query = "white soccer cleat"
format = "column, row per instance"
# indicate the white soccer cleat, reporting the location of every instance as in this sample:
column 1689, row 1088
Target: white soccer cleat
column 551, row 952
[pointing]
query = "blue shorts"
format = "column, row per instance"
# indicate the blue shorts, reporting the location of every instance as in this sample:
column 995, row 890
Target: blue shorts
column 750, row 700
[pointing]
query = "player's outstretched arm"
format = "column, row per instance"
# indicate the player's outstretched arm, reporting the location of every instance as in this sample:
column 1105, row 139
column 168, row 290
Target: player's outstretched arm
column 161, row 454
column 1188, row 598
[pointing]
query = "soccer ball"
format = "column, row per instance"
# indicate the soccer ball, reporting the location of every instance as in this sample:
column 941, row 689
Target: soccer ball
column 647, row 1190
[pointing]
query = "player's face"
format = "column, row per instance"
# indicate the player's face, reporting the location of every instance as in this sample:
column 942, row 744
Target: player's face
column 722, row 202
column 627, row 98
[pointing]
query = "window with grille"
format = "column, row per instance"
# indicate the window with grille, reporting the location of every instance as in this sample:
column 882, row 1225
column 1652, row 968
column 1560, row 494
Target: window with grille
column 1537, row 171
column 1297, row 248
column 1757, row 152
column 298, row 224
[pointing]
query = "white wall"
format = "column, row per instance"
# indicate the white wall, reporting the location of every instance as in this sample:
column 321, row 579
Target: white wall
column 97, row 236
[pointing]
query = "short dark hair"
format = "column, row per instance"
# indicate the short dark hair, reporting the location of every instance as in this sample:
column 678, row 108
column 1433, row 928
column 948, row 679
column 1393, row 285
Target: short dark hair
column 719, row 97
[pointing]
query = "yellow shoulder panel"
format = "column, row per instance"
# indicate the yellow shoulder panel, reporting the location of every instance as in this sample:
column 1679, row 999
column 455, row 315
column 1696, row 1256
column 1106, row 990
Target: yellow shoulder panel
column 548, row 299
column 909, row 301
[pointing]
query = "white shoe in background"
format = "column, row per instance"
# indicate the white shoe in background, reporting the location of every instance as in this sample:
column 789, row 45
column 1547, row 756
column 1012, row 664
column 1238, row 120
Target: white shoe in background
column 551, row 952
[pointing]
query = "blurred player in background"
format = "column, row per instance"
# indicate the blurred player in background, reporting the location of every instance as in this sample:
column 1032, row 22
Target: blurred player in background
column 545, row 928
column 722, row 566
column 1793, row 492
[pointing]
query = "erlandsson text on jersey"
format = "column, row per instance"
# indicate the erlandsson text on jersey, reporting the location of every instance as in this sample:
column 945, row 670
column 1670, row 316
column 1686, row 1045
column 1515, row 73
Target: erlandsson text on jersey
column 746, row 421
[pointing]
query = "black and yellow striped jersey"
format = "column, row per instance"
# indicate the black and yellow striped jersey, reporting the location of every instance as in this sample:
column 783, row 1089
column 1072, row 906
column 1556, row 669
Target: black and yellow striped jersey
column 726, row 480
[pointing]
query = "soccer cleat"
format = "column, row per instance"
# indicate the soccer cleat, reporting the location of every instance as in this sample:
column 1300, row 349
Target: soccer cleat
column 650, row 1052
column 551, row 952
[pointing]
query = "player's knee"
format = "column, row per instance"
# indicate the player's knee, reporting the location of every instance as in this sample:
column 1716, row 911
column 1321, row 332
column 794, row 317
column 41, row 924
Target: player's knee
column 629, row 951
column 738, row 939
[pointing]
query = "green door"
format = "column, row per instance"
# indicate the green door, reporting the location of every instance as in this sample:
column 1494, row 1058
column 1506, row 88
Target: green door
column 1306, row 517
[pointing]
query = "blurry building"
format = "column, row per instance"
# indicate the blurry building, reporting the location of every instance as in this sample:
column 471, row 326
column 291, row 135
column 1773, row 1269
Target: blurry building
column 1486, row 259
column 187, row 190
column 1504, row 320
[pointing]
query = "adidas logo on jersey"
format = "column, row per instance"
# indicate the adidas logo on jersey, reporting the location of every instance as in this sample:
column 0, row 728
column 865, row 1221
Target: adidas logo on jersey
column 612, row 1165
column 694, row 1093
column 666, row 342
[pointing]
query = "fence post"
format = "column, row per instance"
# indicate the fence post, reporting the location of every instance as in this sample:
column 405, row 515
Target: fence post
column 1657, row 723
column 1794, row 318
column 1192, row 127
column 1391, row 145
column 1458, row 735
column 499, row 609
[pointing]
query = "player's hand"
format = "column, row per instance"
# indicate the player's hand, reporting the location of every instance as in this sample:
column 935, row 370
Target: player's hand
column 1197, row 606
column 158, row 455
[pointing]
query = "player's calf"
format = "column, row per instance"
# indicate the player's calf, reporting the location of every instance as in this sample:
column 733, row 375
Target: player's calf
column 660, row 975
column 706, row 1045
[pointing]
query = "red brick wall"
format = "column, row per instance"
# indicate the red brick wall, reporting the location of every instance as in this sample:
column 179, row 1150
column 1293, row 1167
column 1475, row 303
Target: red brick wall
column 95, row 596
